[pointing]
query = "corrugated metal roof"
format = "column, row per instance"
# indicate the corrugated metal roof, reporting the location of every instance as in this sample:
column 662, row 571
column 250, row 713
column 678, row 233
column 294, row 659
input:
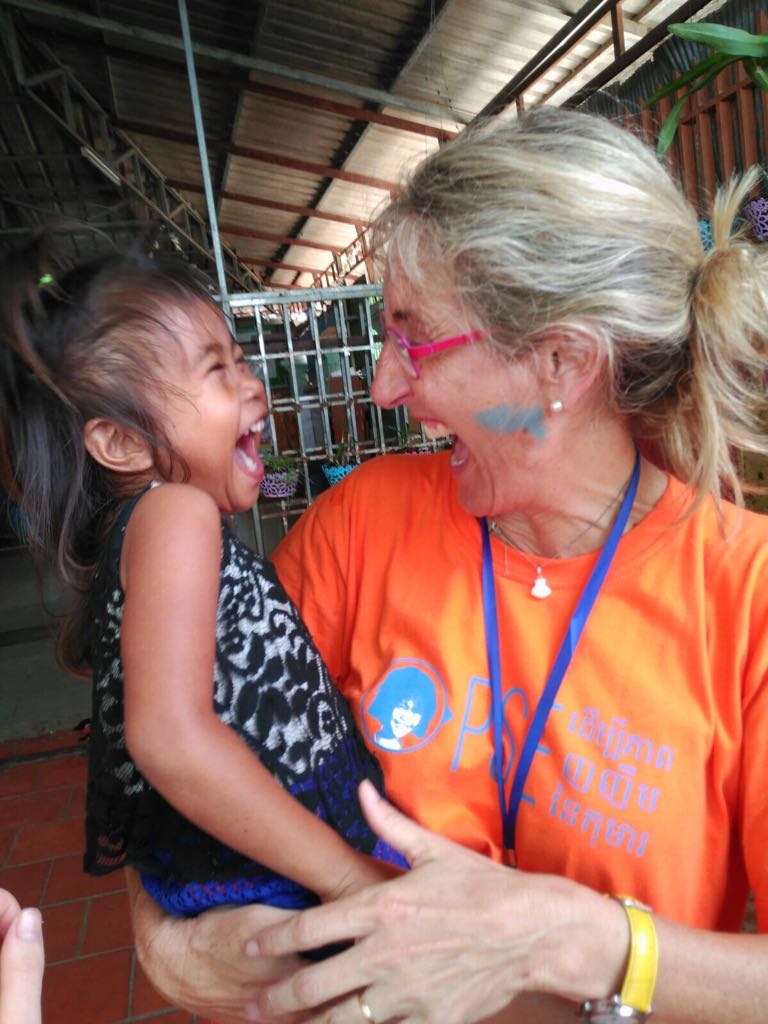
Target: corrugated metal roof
column 288, row 139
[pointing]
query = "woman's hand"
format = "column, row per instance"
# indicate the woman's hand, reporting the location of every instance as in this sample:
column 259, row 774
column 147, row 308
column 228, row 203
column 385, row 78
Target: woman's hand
column 22, row 960
column 201, row 963
column 452, row 941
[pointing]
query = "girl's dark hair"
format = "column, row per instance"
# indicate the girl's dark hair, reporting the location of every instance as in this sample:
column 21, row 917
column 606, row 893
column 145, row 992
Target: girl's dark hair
column 75, row 345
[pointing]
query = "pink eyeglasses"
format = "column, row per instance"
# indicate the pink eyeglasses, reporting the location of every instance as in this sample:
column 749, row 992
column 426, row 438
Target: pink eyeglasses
column 410, row 354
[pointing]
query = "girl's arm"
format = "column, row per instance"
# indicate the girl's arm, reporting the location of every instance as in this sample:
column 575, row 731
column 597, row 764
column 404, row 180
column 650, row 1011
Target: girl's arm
column 170, row 572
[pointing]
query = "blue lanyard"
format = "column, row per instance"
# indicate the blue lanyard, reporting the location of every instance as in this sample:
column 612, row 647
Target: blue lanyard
column 567, row 648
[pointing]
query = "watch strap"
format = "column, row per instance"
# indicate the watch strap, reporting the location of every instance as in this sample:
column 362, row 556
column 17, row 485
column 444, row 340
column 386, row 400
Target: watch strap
column 643, row 963
column 635, row 1001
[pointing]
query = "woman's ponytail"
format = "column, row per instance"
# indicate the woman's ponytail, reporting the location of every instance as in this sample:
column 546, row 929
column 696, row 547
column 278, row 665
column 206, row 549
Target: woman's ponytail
column 721, row 412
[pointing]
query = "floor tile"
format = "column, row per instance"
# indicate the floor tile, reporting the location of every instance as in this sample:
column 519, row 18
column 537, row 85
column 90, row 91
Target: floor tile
column 68, row 881
column 93, row 990
column 63, row 928
column 63, row 771
column 7, row 837
column 19, row 778
column 32, row 808
column 41, row 842
column 41, row 744
column 27, row 882
column 109, row 925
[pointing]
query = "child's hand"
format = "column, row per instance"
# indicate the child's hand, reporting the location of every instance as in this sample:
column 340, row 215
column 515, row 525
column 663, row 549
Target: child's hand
column 359, row 872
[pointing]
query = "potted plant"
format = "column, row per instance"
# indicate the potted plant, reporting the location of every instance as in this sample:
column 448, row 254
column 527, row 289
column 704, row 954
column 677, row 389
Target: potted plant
column 729, row 46
column 281, row 476
column 343, row 460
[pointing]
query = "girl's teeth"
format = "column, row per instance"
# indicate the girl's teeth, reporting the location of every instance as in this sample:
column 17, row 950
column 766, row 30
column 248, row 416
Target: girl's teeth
column 247, row 460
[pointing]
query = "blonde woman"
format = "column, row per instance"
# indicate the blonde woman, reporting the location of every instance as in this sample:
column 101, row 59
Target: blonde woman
column 591, row 627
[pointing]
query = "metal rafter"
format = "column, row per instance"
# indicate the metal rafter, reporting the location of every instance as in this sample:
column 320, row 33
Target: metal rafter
column 434, row 12
column 267, row 204
column 236, row 59
column 264, row 156
column 56, row 91
column 299, row 99
column 225, row 156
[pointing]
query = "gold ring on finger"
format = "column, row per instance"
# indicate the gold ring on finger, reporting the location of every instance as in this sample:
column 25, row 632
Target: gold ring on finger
column 365, row 1009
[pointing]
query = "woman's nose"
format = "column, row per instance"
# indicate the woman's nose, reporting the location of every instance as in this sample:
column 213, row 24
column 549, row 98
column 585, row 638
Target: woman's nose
column 391, row 382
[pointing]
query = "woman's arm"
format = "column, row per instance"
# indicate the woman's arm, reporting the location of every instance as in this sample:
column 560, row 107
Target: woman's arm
column 459, row 938
column 171, row 565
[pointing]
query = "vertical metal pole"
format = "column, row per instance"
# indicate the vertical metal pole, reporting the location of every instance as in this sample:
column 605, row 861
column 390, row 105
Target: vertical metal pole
column 203, row 150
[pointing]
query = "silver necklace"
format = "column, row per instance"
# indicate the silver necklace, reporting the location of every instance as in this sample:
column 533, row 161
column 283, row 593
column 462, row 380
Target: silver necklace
column 541, row 588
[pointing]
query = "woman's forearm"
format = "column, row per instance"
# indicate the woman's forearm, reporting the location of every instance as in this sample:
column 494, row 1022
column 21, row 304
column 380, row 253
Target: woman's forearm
column 459, row 938
column 709, row 977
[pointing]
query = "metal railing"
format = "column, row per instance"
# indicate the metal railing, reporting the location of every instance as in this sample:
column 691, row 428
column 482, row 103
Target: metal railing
column 316, row 352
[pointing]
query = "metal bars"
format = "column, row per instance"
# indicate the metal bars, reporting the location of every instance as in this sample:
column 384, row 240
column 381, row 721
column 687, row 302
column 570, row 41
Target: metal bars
column 316, row 351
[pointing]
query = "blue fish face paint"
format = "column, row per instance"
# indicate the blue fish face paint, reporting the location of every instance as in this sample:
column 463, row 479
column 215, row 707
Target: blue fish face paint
column 510, row 419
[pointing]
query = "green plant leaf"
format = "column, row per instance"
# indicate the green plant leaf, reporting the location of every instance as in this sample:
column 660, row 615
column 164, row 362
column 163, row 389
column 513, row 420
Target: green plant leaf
column 672, row 120
column 732, row 41
column 757, row 73
column 670, row 126
column 687, row 77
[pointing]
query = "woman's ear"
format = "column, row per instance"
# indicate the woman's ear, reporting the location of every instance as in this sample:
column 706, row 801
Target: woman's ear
column 115, row 447
column 569, row 363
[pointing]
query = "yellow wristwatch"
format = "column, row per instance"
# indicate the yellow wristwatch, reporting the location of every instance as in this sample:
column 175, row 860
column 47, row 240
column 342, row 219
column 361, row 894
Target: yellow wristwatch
column 635, row 1001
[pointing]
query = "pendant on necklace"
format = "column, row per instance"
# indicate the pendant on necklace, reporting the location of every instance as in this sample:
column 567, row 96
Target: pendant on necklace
column 540, row 588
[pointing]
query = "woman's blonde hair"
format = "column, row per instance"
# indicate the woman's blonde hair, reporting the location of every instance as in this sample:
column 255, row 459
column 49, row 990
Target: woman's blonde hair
column 562, row 219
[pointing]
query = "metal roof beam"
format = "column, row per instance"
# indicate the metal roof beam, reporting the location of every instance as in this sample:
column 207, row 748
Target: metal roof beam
column 261, row 155
column 268, row 204
column 273, row 265
column 634, row 53
column 574, row 29
column 85, row 122
column 232, row 229
column 237, row 59
column 299, row 99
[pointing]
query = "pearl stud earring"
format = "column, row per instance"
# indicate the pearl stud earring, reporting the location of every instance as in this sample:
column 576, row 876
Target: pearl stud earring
column 556, row 405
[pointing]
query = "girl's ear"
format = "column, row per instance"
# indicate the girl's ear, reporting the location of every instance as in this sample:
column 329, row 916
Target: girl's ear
column 115, row 447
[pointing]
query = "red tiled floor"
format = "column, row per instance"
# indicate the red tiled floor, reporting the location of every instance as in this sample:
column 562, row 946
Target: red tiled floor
column 93, row 990
column 47, row 743
column 68, row 881
column 62, row 771
column 33, row 808
column 63, row 930
column 43, row 842
column 109, row 925
column 7, row 836
column 27, row 883
column 92, row 976
column 18, row 778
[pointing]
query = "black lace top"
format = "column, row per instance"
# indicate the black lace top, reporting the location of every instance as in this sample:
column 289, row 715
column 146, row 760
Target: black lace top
column 271, row 687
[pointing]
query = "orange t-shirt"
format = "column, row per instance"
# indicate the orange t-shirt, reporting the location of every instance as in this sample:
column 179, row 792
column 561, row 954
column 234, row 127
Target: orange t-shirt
column 650, row 775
